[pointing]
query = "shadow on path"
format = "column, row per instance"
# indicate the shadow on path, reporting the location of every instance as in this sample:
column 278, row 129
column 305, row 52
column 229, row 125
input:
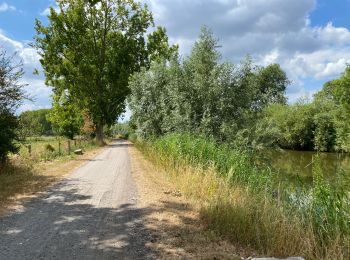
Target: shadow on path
column 65, row 225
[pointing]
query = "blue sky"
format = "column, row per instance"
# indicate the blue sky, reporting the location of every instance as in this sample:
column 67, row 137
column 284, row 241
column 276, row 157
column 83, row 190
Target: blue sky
column 309, row 38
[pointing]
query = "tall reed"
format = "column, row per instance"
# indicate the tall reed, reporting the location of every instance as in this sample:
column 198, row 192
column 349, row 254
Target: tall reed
column 250, row 205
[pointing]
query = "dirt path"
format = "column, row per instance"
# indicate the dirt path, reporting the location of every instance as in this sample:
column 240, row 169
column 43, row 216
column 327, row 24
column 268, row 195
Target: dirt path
column 92, row 214
column 116, row 206
column 173, row 221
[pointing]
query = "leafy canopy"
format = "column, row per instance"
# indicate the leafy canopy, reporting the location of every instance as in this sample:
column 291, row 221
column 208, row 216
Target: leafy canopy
column 201, row 94
column 65, row 116
column 90, row 48
column 11, row 96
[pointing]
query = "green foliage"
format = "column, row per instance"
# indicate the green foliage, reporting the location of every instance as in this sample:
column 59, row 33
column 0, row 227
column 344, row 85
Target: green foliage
column 11, row 96
column 324, row 209
column 90, row 48
column 35, row 123
column 234, row 164
column 242, row 104
column 149, row 99
column 49, row 148
column 123, row 130
column 322, row 125
column 337, row 92
column 272, row 81
column 8, row 134
column 330, row 205
column 202, row 95
column 293, row 124
column 66, row 117
column 325, row 117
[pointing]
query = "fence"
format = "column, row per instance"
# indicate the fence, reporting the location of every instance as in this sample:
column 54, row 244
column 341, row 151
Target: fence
column 49, row 148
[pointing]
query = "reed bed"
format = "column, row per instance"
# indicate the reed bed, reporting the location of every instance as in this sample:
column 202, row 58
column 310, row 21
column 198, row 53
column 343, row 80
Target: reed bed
column 250, row 205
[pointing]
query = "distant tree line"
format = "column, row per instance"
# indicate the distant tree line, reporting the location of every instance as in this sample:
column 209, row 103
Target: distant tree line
column 59, row 121
column 243, row 104
column 322, row 124
column 35, row 123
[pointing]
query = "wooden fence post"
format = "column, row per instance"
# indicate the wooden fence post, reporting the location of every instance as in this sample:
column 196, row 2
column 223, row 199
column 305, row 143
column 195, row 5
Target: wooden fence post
column 30, row 150
column 68, row 146
column 59, row 147
column 75, row 143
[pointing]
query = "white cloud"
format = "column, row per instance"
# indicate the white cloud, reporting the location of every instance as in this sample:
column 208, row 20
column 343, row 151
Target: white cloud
column 46, row 12
column 333, row 35
column 36, row 84
column 270, row 30
column 6, row 7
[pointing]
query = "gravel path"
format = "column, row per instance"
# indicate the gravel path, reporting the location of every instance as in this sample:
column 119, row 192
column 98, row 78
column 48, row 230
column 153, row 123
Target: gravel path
column 92, row 214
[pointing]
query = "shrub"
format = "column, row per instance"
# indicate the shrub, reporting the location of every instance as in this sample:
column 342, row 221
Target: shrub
column 11, row 96
column 49, row 148
column 8, row 134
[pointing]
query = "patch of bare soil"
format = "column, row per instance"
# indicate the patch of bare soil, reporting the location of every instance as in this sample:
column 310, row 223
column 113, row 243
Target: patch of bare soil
column 176, row 228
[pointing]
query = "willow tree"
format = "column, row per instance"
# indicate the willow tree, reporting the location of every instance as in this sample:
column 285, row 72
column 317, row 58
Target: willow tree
column 90, row 48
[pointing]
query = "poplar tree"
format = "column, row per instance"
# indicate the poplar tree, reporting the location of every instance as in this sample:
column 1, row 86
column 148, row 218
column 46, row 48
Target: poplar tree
column 90, row 48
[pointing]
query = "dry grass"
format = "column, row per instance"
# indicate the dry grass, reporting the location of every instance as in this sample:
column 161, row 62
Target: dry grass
column 173, row 219
column 247, row 220
column 49, row 148
column 22, row 178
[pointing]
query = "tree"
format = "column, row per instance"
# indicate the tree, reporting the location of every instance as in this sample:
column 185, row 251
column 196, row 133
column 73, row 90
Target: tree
column 325, row 119
column 272, row 82
column 35, row 123
column 90, row 48
column 294, row 124
column 201, row 91
column 87, row 128
column 202, row 95
column 65, row 116
column 337, row 93
column 11, row 96
column 148, row 101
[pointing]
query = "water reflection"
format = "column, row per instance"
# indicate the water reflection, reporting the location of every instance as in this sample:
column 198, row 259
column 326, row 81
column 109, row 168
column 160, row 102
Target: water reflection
column 298, row 164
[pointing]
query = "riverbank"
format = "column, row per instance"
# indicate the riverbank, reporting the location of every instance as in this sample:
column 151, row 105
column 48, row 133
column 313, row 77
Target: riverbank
column 248, row 206
column 173, row 219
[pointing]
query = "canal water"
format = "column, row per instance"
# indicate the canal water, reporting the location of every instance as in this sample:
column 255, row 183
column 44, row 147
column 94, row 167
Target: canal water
column 298, row 164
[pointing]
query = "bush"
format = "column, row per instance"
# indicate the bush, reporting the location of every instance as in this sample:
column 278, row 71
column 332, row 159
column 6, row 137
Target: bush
column 8, row 134
column 49, row 148
column 11, row 96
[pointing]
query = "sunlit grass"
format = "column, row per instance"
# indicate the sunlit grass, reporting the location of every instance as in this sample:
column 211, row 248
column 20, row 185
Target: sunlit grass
column 48, row 148
column 249, row 205
column 25, row 174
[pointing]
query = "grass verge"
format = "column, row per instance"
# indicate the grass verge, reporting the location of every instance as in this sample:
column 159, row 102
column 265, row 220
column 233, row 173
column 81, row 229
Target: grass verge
column 246, row 204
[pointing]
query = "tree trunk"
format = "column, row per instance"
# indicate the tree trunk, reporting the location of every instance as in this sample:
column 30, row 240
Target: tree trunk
column 99, row 134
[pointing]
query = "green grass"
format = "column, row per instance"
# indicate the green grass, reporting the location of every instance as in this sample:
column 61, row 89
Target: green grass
column 251, row 205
